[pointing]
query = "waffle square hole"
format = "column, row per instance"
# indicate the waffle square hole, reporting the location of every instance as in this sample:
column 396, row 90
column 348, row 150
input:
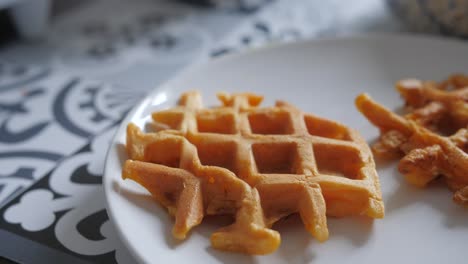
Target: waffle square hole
column 220, row 154
column 272, row 123
column 165, row 152
column 274, row 158
column 171, row 119
column 338, row 160
column 325, row 128
column 221, row 123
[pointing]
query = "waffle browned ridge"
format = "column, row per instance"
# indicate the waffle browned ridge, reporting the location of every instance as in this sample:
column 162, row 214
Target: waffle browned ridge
column 258, row 164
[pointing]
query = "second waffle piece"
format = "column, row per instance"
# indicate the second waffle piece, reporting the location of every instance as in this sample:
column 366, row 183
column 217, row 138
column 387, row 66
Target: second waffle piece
column 258, row 164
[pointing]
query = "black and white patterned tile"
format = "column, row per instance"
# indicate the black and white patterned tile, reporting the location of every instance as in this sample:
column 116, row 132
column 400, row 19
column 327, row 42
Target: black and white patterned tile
column 65, row 211
column 13, row 75
column 45, row 117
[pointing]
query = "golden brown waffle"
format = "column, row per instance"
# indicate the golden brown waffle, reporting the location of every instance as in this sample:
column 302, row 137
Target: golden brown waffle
column 427, row 155
column 257, row 164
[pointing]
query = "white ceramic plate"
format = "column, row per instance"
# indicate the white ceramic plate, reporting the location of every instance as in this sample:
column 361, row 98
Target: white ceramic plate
column 321, row 77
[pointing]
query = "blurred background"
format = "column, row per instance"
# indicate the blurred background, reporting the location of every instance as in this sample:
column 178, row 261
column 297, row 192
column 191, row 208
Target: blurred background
column 70, row 70
column 139, row 43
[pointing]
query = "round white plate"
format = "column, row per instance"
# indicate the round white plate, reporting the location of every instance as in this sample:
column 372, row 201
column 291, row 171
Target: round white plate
column 321, row 77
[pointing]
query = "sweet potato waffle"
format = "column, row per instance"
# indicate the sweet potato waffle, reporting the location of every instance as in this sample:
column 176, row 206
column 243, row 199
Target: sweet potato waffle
column 432, row 138
column 258, row 164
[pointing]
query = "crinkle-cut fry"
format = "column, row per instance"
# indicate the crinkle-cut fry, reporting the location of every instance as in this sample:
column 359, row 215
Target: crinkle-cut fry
column 434, row 156
column 455, row 81
column 459, row 113
column 417, row 93
column 380, row 116
column 429, row 115
column 389, row 145
column 430, row 155
column 421, row 165
column 461, row 139
column 403, row 129
column 435, row 106
column 412, row 92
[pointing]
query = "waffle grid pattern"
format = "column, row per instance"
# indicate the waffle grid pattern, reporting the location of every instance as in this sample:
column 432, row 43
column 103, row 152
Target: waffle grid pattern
column 256, row 163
